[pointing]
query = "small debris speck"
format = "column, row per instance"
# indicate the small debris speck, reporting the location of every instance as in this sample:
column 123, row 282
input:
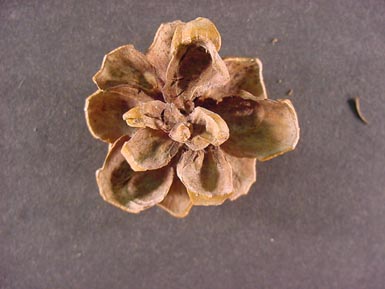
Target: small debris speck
column 289, row 92
column 21, row 83
column 279, row 81
column 274, row 40
column 35, row 129
column 272, row 240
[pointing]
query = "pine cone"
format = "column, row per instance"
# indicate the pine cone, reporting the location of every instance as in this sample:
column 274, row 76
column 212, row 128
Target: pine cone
column 185, row 126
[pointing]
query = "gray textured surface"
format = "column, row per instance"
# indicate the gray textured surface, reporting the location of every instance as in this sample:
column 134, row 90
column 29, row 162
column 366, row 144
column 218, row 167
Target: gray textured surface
column 315, row 218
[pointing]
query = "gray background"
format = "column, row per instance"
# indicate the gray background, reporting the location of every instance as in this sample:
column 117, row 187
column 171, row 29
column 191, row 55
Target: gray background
column 315, row 218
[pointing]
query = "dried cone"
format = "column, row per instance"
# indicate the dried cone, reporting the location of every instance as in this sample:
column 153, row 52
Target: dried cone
column 184, row 126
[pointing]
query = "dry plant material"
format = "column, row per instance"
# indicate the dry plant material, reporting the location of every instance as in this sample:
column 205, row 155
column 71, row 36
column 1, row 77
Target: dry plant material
column 274, row 41
column 358, row 110
column 184, row 126
column 289, row 92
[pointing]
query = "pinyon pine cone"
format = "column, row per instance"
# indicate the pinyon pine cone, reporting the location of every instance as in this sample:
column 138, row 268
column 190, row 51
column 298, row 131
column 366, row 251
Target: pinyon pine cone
column 185, row 126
